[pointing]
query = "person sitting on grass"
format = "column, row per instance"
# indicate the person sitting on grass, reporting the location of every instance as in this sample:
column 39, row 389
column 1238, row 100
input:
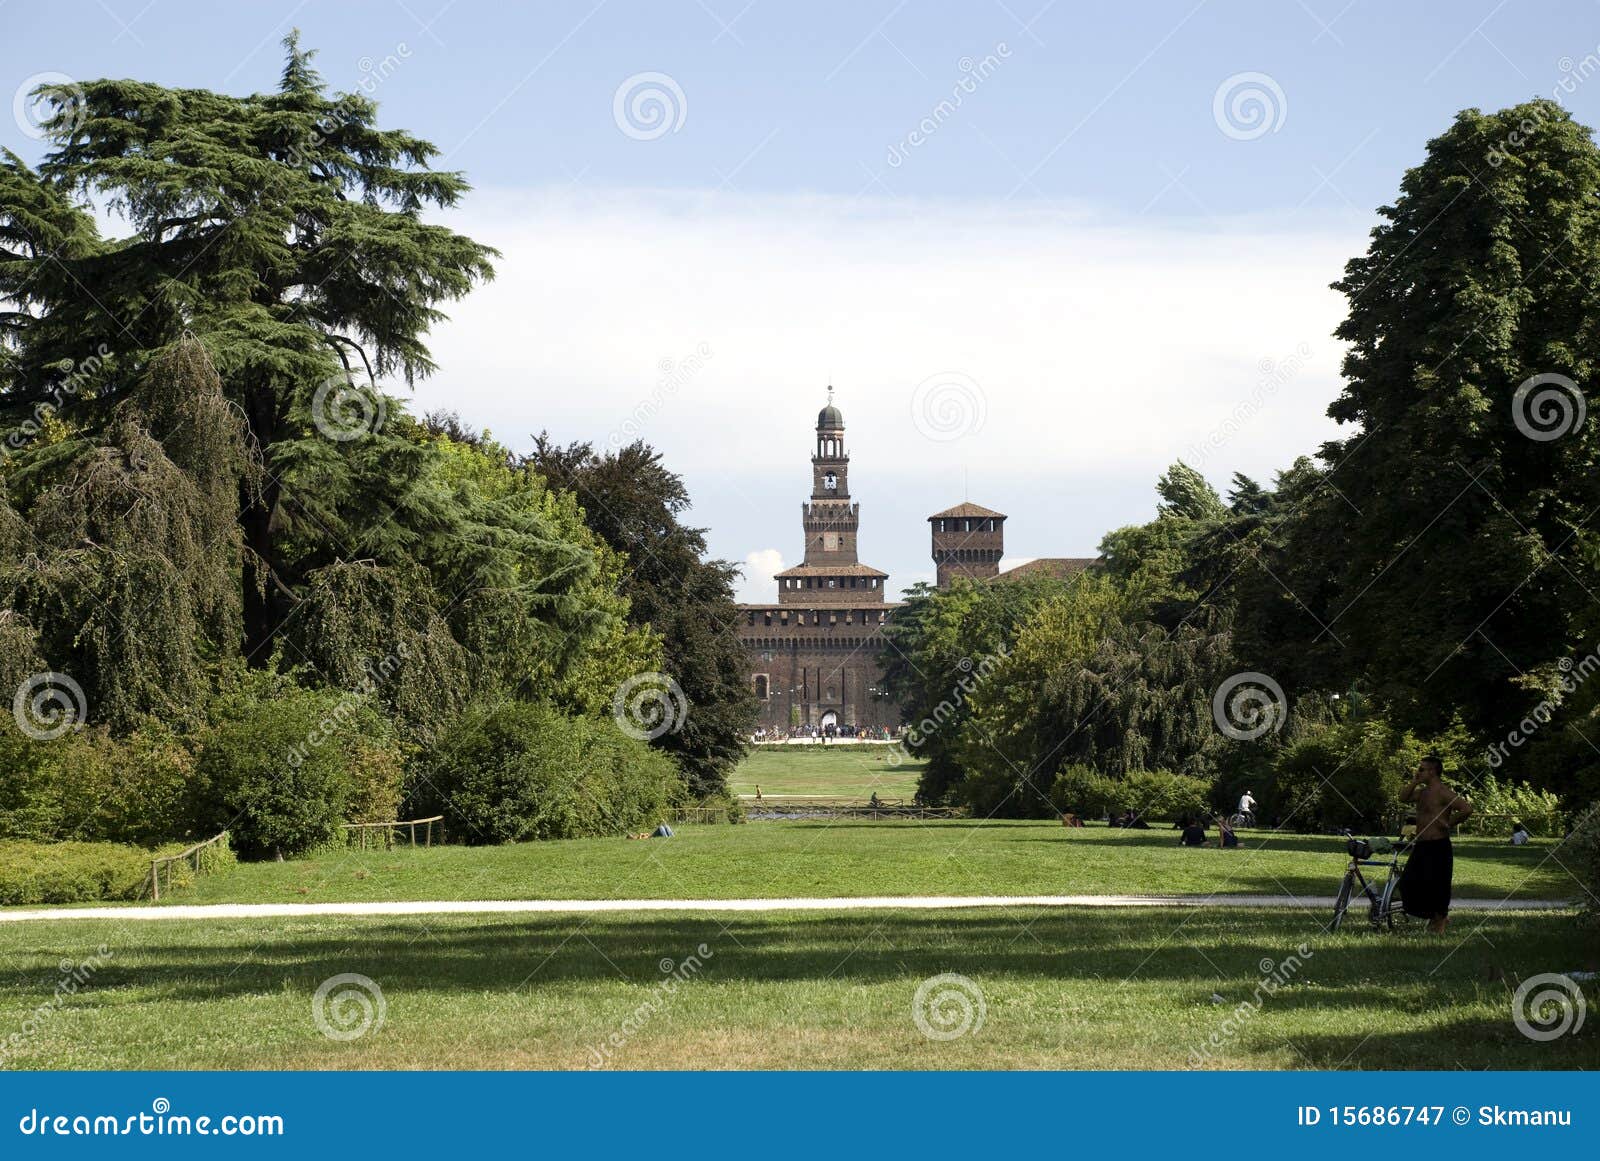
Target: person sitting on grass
column 1133, row 821
column 1226, row 838
column 1194, row 832
column 1519, row 834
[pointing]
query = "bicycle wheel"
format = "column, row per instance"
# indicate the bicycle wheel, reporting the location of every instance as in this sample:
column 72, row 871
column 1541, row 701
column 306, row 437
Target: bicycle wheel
column 1239, row 821
column 1342, row 902
column 1389, row 905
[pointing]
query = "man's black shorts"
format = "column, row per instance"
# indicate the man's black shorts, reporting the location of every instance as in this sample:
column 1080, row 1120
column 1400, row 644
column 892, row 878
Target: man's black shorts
column 1425, row 883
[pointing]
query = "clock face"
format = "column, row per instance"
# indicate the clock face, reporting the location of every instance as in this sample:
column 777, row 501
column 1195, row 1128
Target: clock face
column 830, row 482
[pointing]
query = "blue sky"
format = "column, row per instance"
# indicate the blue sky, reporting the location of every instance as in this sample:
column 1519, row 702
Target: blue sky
column 1093, row 260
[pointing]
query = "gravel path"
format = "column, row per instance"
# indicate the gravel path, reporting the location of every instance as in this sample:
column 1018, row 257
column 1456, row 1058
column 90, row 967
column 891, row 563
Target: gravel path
column 1312, row 903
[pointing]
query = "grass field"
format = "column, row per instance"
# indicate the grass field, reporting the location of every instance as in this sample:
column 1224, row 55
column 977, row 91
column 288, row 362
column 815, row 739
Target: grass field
column 1058, row 989
column 772, row 860
column 826, row 771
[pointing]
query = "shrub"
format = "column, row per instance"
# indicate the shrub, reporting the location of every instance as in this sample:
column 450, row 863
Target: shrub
column 1160, row 794
column 89, row 786
column 1151, row 793
column 72, row 872
column 1347, row 776
column 1581, row 853
column 520, row 771
column 267, row 782
column 1496, row 804
column 377, row 781
column 1083, row 792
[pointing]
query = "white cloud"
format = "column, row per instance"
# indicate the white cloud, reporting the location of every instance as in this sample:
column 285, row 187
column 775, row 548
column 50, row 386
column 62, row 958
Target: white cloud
column 760, row 567
column 1099, row 350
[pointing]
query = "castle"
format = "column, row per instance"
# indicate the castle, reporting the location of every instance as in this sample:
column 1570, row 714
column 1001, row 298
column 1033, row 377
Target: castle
column 814, row 655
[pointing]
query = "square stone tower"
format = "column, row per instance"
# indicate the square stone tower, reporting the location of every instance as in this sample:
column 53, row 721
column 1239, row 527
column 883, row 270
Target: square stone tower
column 968, row 540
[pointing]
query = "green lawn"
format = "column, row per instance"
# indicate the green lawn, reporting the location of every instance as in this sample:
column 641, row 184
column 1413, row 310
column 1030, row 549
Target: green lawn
column 1059, row 989
column 828, row 772
column 844, row 858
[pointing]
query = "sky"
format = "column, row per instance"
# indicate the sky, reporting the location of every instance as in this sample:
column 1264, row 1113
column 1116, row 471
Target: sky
column 1040, row 249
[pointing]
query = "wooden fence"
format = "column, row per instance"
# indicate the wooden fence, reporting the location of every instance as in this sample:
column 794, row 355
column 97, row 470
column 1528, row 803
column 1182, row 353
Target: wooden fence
column 362, row 829
column 196, row 856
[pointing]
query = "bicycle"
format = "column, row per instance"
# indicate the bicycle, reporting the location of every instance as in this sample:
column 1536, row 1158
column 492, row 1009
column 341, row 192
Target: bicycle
column 1383, row 909
column 1242, row 819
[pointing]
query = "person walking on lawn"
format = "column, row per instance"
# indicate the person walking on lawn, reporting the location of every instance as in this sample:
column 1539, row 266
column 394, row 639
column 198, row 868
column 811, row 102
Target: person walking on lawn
column 1425, row 883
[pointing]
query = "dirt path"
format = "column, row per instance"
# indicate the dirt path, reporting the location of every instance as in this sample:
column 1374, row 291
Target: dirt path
column 1311, row 903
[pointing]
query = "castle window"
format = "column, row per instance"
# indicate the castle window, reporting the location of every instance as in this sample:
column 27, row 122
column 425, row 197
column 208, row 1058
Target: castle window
column 769, row 616
column 762, row 689
column 830, row 582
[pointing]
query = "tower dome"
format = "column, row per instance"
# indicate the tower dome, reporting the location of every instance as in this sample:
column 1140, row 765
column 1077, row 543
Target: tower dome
column 830, row 418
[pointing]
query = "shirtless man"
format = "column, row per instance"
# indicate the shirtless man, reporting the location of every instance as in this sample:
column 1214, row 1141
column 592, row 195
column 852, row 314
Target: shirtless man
column 1425, row 885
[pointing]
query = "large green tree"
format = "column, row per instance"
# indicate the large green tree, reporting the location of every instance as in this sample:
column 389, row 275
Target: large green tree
column 635, row 504
column 202, row 462
column 1462, row 530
